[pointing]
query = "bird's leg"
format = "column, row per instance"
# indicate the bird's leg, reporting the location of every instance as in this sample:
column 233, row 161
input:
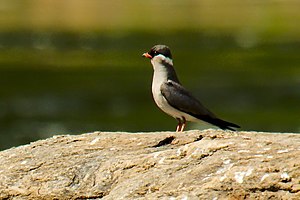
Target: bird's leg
column 183, row 123
column 179, row 126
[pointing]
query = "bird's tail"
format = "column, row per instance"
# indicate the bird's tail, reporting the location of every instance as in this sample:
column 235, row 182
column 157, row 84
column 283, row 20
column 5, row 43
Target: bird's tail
column 220, row 123
column 224, row 124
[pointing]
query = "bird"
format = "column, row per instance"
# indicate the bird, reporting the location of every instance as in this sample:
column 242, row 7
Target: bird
column 172, row 98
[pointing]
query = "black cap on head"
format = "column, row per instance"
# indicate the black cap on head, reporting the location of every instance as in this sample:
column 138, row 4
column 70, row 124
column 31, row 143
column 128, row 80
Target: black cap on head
column 160, row 49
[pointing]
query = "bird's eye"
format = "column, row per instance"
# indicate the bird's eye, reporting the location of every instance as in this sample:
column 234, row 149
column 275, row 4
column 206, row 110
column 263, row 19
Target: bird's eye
column 155, row 52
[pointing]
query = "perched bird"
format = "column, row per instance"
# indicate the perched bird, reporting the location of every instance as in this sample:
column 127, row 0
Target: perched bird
column 172, row 98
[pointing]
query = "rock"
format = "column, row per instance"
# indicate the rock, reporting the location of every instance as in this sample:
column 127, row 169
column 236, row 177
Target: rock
column 209, row 164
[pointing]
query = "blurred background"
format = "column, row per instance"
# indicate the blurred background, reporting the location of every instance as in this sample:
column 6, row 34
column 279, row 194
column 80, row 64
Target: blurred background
column 74, row 66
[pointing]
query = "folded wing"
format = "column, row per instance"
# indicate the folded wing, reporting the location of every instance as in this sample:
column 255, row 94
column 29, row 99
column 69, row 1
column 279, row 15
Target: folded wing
column 181, row 99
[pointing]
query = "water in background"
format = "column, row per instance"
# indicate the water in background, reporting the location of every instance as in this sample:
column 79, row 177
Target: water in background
column 68, row 67
column 63, row 83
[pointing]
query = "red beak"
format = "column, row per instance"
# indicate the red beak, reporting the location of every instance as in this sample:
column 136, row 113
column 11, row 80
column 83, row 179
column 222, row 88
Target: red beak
column 147, row 55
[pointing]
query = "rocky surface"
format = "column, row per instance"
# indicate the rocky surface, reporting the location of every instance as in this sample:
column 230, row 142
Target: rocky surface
column 209, row 164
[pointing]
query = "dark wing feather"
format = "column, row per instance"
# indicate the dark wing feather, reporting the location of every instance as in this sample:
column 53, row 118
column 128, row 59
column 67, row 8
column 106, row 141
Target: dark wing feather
column 178, row 97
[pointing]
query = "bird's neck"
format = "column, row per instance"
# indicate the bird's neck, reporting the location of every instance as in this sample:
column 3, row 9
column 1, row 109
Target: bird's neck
column 163, row 70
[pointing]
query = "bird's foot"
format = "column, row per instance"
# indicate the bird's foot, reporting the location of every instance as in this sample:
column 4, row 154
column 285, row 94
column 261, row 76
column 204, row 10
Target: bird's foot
column 179, row 127
column 182, row 127
column 181, row 124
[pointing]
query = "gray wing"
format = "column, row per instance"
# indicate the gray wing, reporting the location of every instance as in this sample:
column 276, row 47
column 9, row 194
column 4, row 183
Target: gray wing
column 178, row 97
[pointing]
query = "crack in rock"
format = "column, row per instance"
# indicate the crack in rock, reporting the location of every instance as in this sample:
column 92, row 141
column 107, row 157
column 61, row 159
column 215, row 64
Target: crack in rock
column 166, row 141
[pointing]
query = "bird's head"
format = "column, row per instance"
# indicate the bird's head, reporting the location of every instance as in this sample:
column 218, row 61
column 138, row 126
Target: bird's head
column 159, row 50
column 161, row 60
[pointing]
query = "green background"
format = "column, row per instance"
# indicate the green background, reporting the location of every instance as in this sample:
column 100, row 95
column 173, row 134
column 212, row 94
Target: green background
column 68, row 67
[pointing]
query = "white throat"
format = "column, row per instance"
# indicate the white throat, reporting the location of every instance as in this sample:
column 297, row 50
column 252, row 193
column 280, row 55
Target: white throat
column 158, row 60
column 160, row 70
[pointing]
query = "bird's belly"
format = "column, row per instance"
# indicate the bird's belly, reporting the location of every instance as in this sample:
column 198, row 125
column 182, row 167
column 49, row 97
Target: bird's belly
column 163, row 104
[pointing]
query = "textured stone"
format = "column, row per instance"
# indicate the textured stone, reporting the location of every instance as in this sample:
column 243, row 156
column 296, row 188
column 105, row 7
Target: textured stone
column 209, row 164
